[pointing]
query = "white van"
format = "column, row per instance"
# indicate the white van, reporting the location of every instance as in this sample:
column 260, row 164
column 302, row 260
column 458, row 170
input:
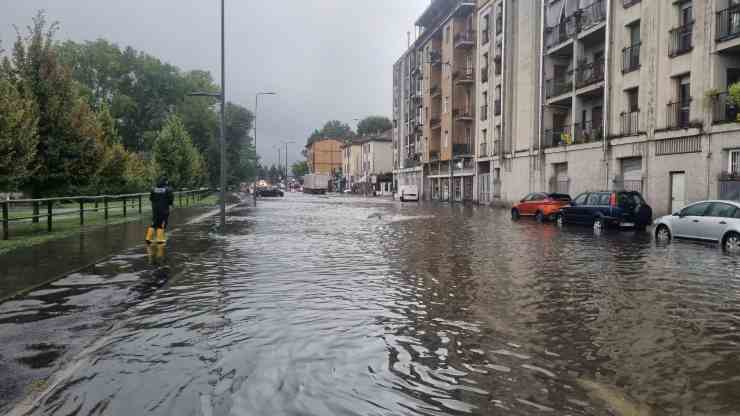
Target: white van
column 408, row 193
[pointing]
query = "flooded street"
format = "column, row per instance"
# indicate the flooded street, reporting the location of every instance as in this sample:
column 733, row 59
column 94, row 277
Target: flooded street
column 348, row 306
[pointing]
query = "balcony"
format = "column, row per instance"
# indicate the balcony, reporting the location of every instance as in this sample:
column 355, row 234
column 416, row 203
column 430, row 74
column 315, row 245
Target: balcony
column 499, row 24
column 558, row 137
column 484, row 74
column 485, row 35
column 630, row 123
column 631, row 58
column 589, row 73
column 557, row 87
column 464, row 39
column 629, row 3
column 678, row 115
column 723, row 109
column 591, row 16
column 434, row 155
column 483, row 151
column 461, row 149
column 589, row 131
column 484, row 112
column 728, row 23
column 464, row 76
column 462, row 114
column 681, row 40
column 435, row 58
column 435, row 91
column 561, row 32
column 495, row 150
column 435, row 122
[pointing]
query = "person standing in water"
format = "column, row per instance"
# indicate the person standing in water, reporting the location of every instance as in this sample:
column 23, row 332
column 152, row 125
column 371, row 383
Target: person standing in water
column 162, row 198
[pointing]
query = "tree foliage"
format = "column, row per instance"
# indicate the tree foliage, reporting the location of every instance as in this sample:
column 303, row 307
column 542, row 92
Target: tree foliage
column 373, row 125
column 333, row 129
column 18, row 136
column 175, row 156
column 299, row 168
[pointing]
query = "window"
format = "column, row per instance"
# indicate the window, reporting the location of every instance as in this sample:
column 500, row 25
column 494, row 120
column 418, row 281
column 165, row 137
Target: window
column 734, row 162
column 485, row 29
column 498, row 132
column 580, row 199
column 634, row 30
column 684, row 91
column 468, row 135
column 633, row 104
column 593, row 199
column 485, row 97
column 696, row 210
column 721, row 210
column 446, row 139
column 484, row 136
column 538, row 197
column 686, row 14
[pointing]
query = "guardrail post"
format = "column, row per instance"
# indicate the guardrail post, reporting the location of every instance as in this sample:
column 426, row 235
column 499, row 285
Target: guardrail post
column 48, row 215
column 139, row 204
column 124, row 206
column 82, row 212
column 105, row 207
column 35, row 218
column 5, row 220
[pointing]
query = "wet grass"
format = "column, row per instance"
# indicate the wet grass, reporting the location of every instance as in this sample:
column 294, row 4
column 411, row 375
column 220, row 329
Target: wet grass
column 27, row 234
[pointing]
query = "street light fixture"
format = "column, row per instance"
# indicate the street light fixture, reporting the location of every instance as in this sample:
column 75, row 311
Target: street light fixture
column 256, row 107
column 222, row 98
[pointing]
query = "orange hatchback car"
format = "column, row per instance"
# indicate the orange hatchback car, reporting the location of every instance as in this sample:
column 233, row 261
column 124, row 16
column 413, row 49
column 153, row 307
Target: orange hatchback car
column 543, row 206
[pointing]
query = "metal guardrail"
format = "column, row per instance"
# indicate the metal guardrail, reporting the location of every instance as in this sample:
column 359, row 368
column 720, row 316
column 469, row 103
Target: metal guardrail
column 681, row 39
column 728, row 23
column 133, row 201
column 631, row 58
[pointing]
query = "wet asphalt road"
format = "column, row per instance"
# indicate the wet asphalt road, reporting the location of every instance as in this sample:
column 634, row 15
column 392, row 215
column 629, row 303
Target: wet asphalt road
column 348, row 306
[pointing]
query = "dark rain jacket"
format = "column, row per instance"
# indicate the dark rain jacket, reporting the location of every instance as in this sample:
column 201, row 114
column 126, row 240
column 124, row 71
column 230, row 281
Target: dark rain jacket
column 162, row 198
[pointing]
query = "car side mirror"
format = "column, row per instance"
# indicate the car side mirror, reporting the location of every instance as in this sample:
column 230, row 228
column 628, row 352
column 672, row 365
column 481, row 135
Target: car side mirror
column 521, row 200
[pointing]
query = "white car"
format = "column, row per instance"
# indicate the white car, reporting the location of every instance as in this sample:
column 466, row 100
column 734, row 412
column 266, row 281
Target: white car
column 408, row 193
column 704, row 220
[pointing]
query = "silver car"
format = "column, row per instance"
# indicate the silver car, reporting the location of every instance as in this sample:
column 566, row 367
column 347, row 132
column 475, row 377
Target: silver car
column 704, row 220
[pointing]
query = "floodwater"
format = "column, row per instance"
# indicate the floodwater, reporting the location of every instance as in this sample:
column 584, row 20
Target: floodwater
column 348, row 306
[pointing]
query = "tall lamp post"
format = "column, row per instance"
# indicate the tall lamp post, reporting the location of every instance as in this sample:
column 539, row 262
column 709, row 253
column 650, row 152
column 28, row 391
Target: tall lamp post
column 256, row 108
column 285, row 153
column 222, row 98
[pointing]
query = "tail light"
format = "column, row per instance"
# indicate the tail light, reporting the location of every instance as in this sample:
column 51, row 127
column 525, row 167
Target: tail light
column 613, row 200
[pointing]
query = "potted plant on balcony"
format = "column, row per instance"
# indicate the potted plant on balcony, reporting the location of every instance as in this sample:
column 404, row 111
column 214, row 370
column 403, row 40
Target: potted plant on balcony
column 733, row 94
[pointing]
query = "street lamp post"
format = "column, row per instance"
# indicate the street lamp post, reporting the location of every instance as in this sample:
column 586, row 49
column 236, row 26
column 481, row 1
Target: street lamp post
column 256, row 107
column 285, row 153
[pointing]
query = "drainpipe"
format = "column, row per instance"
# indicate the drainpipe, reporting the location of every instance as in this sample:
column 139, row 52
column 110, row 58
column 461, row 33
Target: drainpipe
column 607, row 91
column 504, row 53
column 540, row 120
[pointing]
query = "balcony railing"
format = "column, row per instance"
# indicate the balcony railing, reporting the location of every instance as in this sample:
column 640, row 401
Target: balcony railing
column 461, row 149
column 497, row 107
column 434, row 155
column 465, row 39
column 629, row 3
column 556, row 87
column 463, row 114
column 484, row 74
column 728, row 23
column 484, row 112
column 499, row 24
column 678, row 115
column 462, row 76
column 630, row 123
column 589, row 131
column 592, row 15
column 435, row 91
column 681, row 39
column 558, row 137
column 485, row 35
column 435, row 121
column 435, row 58
column 589, row 73
column 723, row 109
column 483, row 152
column 561, row 32
column 631, row 58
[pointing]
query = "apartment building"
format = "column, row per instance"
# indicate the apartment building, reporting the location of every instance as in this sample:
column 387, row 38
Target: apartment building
column 577, row 95
column 324, row 155
column 351, row 165
column 407, row 167
column 376, row 165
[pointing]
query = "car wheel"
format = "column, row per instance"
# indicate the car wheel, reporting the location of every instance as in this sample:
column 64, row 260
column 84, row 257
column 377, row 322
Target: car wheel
column 559, row 220
column 662, row 233
column 540, row 217
column 599, row 225
column 732, row 242
column 403, row 200
column 515, row 214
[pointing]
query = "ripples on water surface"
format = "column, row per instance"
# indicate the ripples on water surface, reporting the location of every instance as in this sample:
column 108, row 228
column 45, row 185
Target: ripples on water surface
column 343, row 306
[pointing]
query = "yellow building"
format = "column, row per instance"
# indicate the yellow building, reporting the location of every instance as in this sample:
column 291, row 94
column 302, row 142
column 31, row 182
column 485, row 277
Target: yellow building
column 324, row 156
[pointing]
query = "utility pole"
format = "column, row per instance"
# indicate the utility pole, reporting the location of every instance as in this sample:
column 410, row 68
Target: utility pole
column 223, row 123
column 256, row 108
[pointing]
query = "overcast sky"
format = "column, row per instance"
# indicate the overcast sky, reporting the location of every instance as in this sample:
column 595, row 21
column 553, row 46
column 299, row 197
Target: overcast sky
column 326, row 59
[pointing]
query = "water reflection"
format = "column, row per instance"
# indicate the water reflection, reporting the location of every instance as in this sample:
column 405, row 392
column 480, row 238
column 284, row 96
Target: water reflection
column 358, row 306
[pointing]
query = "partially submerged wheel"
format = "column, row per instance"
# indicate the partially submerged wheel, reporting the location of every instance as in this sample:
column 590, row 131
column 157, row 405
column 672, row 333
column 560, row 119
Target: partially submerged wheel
column 662, row 234
column 599, row 225
column 540, row 217
column 732, row 242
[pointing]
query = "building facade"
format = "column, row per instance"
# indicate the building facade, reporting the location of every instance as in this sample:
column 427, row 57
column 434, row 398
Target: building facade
column 575, row 95
column 351, row 165
column 324, row 156
column 376, row 161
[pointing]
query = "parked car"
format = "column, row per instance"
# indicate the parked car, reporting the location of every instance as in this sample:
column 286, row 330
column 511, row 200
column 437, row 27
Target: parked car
column 269, row 192
column 408, row 193
column 606, row 209
column 704, row 220
column 543, row 206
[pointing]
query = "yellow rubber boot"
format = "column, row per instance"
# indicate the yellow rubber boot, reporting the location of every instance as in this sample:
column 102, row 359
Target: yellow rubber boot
column 149, row 234
column 161, row 239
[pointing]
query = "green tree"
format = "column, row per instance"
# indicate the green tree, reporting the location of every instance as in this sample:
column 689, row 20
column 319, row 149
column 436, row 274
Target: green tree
column 373, row 125
column 299, row 168
column 175, row 156
column 18, row 136
column 69, row 144
column 239, row 150
column 333, row 129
